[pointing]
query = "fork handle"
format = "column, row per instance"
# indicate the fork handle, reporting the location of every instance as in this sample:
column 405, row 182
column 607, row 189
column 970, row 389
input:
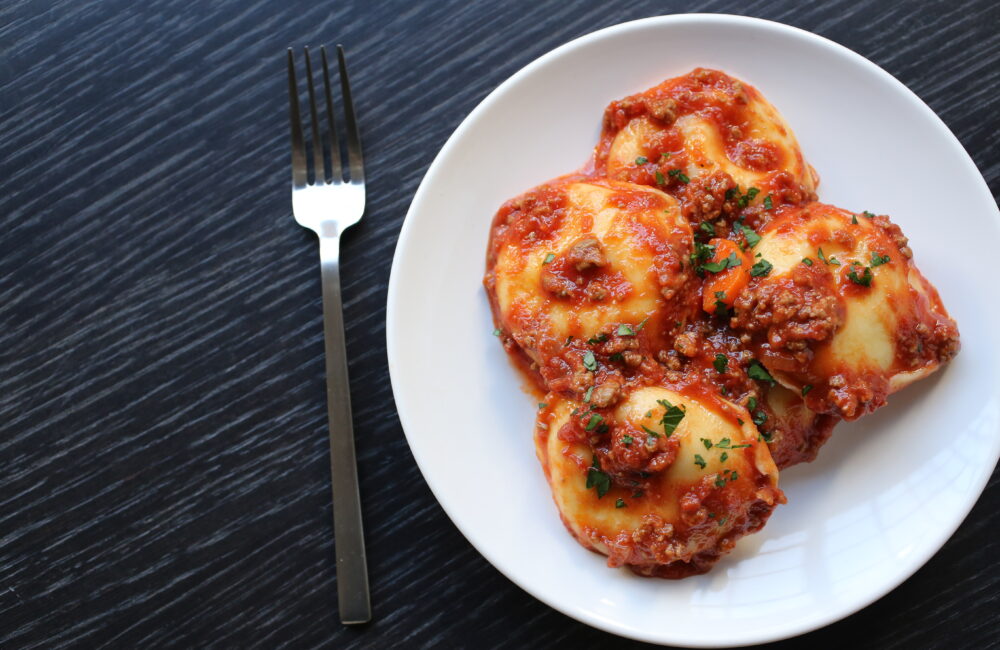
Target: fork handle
column 349, row 539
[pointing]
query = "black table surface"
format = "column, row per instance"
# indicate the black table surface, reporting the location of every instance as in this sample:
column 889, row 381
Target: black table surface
column 164, row 476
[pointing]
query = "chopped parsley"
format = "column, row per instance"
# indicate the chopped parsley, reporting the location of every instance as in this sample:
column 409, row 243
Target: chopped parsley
column 806, row 389
column 699, row 461
column 595, row 419
column 759, row 417
column 702, row 252
column 625, row 330
column 627, row 440
column 541, row 405
column 619, row 503
column 660, row 180
column 641, row 160
column 759, row 372
column 549, row 258
column 650, row 431
column 600, row 338
column 723, row 264
column 679, row 175
column 598, row 479
column 865, row 279
column 707, row 227
column 587, row 395
column 768, row 203
column 720, row 482
column 807, row 261
column 672, row 416
column 720, row 363
column 745, row 199
column 496, row 332
column 665, row 155
column 761, row 268
column 723, row 457
column 752, row 237
column 828, row 261
column 707, row 443
column 868, row 214
column 721, row 308
column 751, row 403
column 879, row 260
column 589, row 362
column 617, row 356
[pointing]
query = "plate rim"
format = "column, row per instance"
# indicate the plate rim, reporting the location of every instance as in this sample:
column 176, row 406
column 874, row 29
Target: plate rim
column 912, row 564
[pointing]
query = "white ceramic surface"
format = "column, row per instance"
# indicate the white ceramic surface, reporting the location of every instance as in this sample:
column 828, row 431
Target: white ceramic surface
column 885, row 493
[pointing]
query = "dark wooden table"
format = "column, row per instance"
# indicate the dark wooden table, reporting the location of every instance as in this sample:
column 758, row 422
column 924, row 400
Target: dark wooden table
column 163, row 454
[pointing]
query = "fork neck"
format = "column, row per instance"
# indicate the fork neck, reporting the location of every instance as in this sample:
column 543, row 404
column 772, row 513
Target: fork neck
column 329, row 248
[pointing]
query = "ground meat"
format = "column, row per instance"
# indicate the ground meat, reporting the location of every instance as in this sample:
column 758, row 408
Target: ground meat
column 662, row 108
column 631, row 358
column 705, row 197
column 586, row 253
column 687, row 344
column 606, row 394
column 557, row 284
column 634, row 452
column 895, row 234
column 792, row 314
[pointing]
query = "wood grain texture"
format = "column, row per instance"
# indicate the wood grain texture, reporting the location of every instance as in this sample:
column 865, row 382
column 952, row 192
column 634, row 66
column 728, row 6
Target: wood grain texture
column 163, row 453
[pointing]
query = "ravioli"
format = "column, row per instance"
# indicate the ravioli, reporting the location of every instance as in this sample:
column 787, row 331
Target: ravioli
column 572, row 264
column 665, row 483
column 706, row 138
column 843, row 317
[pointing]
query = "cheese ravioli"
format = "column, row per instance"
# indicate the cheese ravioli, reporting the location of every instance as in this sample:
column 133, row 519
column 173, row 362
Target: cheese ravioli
column 574, row 264
column 706, row 138
column 665, row 483
column 843, row 316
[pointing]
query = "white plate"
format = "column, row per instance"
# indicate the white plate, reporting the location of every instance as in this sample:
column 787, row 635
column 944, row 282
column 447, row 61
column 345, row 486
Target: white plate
column 885, row 493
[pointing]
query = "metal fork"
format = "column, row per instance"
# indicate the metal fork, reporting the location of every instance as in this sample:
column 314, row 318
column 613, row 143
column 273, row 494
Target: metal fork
column 328, row 205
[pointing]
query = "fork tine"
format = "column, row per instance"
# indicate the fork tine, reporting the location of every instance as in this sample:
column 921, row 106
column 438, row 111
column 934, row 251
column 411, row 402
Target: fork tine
column 319, row 169
column 337, row 172
column 299, row 175
column 354, row 157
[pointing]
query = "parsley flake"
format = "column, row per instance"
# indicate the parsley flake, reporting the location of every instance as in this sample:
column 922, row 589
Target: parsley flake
column 759, row 372
column 589, row 362
column 679, row 175
column 807, row 261
column 496, row 332
column 627, row 440
column 699, row 461
column 879, row 260
column 625, row 330
column 865, row 279
column 768, row 203
column 752, row 237
column 672, row 416
column 726, row 263
column 720, row 363
column 641, row 160
column 761, row 268
column 549, row 258
column 586, row 396
column 806, row 389
column 595, row 419
column 619, row 503
column 598, row 479
column 660, row 180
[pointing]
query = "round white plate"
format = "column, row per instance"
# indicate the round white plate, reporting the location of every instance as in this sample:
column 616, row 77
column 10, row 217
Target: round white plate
column 885, row 493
